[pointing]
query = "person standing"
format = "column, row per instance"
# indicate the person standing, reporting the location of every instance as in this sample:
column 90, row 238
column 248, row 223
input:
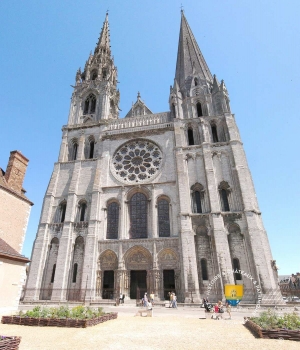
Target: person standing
column 145, row 300
column 152, row 298
column 228, row 309
column 174, row 301
column 171, row 299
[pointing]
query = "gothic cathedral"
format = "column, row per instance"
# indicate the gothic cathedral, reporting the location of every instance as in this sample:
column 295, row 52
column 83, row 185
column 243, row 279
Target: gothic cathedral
column 153, row 202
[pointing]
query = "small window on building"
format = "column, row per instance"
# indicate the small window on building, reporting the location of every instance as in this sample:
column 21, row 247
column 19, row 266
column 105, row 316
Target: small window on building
column 91, row 153
column 53, row 273
column 236, row 266
column 74, row 153
column 63, row 208
column 199, row 109
column 204, row 269
column 196, row 81
column 82, row 211
column 191, row 137
column 224, row 197
column 75, row 268
column 197, row 202
column 214, row 133
column 104, row 73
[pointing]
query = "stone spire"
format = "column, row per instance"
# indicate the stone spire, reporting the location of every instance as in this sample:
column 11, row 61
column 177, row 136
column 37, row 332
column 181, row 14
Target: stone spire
column 190, row 60
column 104, row 39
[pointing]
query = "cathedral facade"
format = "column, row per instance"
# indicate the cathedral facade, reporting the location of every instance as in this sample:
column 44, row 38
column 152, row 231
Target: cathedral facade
column 151, row 202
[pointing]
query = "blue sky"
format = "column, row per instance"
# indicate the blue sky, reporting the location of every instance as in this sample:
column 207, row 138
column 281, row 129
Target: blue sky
column 252, row 45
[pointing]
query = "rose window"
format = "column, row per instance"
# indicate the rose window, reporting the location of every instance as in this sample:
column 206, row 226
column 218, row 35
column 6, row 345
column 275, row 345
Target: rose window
column 137, row 161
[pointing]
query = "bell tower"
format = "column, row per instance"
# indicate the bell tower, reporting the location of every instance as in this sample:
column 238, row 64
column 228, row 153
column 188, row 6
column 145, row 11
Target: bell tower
column 95, row 95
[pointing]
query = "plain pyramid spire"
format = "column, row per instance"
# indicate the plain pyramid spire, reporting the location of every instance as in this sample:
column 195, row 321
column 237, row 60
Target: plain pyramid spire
column 104, row 39
column 190, row 60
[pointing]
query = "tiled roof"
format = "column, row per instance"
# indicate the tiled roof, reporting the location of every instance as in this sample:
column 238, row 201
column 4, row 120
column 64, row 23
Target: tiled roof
column 8, row 252
column 4, row 185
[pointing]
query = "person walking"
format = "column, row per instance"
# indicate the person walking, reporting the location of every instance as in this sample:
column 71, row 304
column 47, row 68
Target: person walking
column 145, row 300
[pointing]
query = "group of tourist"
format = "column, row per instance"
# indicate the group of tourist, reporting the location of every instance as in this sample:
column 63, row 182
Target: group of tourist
column 173, row 300
column 218, row 308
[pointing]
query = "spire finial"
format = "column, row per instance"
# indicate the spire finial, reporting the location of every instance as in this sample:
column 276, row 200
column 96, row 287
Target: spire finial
column 138, row 95
column 181, row 8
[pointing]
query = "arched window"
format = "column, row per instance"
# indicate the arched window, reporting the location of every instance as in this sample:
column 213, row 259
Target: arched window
column 191, row 137
column 89, row 104
column 163, row 218
column 74, row 151
column 214, row 133
column 197, row 202
column 236, row 266
column 104, row 73
column 62, row 212
column 174, row 110
column 196, row 81
column 53, row 273
column 138, row 216
column 75, row 273
column 91, row 152
column 199, row 109
column 82, row 211
column 112, row 221
column 94, row 75
column 203, row 263
column 197, row 199
column 224, row 197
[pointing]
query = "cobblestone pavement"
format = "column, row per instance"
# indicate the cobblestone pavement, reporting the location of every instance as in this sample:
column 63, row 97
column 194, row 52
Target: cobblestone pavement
column 167, row 329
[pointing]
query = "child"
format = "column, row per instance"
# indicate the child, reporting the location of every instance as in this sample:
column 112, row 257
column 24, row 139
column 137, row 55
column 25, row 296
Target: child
column 216, row 312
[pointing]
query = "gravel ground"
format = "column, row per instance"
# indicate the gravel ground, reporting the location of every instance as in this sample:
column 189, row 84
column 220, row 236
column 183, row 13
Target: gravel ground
column 128, row 332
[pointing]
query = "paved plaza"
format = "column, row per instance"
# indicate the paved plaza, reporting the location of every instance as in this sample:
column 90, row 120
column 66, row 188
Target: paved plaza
column 182, row 328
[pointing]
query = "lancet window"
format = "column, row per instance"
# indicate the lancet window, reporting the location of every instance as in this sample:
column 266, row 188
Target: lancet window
column 90, row 104
column 138, row 216
column 163, row 218
column 113, row 210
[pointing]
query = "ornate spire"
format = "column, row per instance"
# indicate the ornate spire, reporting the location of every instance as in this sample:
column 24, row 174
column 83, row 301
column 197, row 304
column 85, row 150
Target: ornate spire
column 190, row 60
column 104, row 39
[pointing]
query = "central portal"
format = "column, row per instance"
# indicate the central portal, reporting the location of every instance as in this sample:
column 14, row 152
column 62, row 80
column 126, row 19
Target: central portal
column 138, row 284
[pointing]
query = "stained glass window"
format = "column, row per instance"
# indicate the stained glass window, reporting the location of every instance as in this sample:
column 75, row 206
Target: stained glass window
column 163, row 218
column 112, row 221
column 138, row 216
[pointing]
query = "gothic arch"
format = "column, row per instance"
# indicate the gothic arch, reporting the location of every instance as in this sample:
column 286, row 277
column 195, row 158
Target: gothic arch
column 195, row 134
column 82, row 208
column 167, row 259
column 113, row 218
column 89, row 147
column 138, row 258
column 108, row 260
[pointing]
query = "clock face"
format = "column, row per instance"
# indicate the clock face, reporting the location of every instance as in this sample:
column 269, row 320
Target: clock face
column 137, row 161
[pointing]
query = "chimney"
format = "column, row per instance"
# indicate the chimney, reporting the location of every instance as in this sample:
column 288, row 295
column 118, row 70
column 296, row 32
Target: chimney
column 15, row 171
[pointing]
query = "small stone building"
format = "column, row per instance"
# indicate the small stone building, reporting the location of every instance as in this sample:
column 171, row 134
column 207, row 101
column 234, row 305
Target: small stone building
column 154, row 201
column 14, row 214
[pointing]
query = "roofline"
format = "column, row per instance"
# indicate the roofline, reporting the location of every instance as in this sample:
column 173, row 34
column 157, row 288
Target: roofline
column 20, row 258
column 16, row 195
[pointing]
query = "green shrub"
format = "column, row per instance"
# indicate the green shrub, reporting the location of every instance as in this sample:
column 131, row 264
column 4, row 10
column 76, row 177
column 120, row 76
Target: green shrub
column 77, row 312
column 270, row 320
